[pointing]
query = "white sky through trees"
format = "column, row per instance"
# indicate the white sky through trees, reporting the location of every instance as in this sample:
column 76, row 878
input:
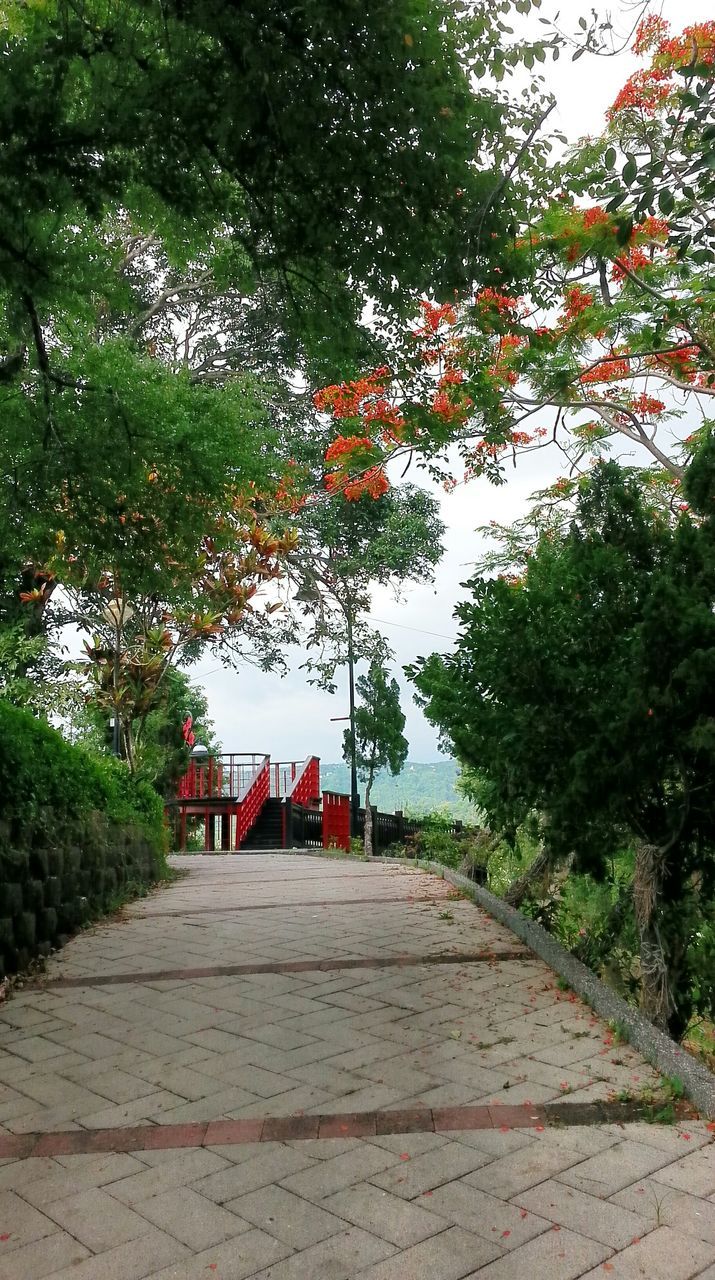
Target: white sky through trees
column 286, row 717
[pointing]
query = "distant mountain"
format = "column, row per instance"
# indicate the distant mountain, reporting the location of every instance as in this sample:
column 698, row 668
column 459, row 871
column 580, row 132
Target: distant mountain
column 420, row 788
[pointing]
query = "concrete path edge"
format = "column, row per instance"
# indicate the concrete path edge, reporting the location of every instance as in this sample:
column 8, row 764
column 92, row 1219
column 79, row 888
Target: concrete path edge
column 657, row 1047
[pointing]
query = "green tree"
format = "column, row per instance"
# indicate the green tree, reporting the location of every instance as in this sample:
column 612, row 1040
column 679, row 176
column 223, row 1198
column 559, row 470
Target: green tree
column 379, row 742
column 160, row 750
column 345, row 549
column 582, row 691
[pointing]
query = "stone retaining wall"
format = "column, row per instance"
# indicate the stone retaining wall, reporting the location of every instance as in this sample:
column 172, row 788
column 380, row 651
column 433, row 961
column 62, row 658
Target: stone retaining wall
column 53, row 883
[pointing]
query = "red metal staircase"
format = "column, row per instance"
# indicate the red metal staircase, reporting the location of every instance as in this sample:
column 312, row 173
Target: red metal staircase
column 241, row 799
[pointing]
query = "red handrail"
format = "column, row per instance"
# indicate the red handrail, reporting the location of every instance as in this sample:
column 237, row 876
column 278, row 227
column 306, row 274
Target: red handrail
column 306, row 784
column 251, row 800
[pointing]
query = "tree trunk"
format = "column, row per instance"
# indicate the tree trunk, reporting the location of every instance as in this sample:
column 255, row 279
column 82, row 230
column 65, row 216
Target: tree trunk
column 368, row 820
column 656, row 996
column 519, row 888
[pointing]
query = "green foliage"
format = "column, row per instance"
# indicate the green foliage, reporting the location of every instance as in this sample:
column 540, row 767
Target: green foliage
column 239, row 115
column 347, row 548
column 161, row 754
column 44, row 779
column 378, row 741
column 584, row 693
column 379, row 721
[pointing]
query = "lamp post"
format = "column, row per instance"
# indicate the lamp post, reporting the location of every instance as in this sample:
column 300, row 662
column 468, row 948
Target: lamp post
column 354, row 795
column 117, row 613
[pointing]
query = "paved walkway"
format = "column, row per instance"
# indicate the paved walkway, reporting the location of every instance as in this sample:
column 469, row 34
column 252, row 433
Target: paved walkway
column 290, row 1068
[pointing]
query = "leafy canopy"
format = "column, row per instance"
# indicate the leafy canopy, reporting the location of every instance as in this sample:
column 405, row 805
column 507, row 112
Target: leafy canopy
column 379, row 722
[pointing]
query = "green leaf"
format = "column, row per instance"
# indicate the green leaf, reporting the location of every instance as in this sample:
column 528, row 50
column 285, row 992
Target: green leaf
column 630, row 171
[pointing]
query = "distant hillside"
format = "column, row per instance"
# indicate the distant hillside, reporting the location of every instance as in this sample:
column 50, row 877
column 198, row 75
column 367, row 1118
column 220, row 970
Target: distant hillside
column 420, row 788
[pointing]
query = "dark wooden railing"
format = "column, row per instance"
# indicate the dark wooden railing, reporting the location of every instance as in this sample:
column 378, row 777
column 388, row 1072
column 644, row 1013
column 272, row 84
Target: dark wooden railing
column 395, row 828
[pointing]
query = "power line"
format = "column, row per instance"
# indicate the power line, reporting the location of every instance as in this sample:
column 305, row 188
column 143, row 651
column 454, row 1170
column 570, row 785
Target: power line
column 437, row 635
column 420, row 630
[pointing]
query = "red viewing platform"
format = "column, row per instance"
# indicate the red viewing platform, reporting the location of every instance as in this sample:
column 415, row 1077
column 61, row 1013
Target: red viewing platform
column 248, row 802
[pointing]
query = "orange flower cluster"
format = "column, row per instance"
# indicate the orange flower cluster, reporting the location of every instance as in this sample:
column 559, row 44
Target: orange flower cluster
column 344, row 446
column 448, row 410
column 648, row 89
column 492, row 300
column 644, row 91
column 653, row 228
column 345, row 399
column 578, row 300
column 382, row 414
column 647, row 405
column 451, row 377
column 697, row 43
column 634, row 261
column 435, row 315
column 606, row 371
column 649, row 32
column 372, row 483
column 594, row 217
column 681, row 363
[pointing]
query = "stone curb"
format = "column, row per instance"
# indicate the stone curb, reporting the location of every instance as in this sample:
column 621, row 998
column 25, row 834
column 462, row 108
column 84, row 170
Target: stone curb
column 657, row 1047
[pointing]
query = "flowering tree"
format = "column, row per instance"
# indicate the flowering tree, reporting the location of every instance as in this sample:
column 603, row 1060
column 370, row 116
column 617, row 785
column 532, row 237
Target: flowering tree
column 597, row 332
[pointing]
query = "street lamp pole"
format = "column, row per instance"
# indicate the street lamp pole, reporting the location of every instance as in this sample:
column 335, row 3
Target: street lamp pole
column 354, row 795
column 118, row 612
column 116, row 745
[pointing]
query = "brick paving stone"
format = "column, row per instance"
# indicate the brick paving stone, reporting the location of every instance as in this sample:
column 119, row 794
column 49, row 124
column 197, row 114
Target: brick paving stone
column 664, row 1254
column 344, row 1170
column 191, row 1218
column 266, row 1165
column 664, row 1206
column 97, row 1220
column 423, row 1173
column 602, row 1220
column 21, row 1223
column 556, row 1255
column 384, row 1215
column 524, row 1168
column 186, row 1167
column 449, row 1256
column 677, row 1140
column 340, row 1257
column 485, row 1215
column 289, row 1218
column 694, row 1173
column 42, row 1257
column 189, row 1051
column 233, row 1260
column 612, row 1170
column 131, row 1261
column 84, row 1173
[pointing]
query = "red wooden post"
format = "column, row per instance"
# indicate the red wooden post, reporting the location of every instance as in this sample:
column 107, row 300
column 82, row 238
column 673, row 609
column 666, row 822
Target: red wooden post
column 182, row 830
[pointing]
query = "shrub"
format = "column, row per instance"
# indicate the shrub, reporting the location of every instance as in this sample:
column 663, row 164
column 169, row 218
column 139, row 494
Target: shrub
column 78, row 835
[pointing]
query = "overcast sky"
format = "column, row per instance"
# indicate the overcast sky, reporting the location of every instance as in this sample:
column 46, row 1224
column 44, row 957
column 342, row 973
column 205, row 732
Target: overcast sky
column 288, row 719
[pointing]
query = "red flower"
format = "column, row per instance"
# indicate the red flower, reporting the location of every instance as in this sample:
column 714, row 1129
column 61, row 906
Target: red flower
column 578, row 300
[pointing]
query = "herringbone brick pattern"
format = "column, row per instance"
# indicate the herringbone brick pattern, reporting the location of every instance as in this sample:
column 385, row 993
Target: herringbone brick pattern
column 505, row 1203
